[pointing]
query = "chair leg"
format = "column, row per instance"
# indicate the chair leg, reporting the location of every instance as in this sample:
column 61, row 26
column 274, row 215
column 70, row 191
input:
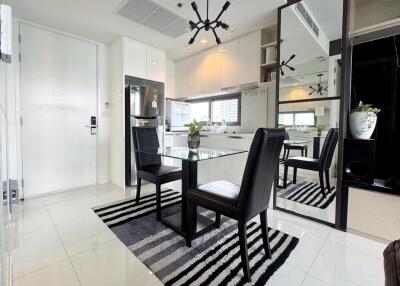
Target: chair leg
column 158, row 201
column 264, row 232
column 285, row 176
column 243, row 250
column 294, row 175
column 287, row 154
column 306, row 151
column 138, row 187
column 321, row 182
column 302, row 152
column 217, row 220
column 328, row 183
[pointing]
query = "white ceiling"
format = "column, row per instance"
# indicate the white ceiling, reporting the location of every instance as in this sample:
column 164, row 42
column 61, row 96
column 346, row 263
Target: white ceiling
column 329, row 15
column 98, row 20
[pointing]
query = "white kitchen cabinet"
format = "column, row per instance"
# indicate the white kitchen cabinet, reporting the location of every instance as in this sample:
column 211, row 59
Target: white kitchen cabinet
column 236, row 164
column 135, row 62
column 194, row 75
column 181, row 74
column 211, row 71
column 230, row 64
column 170, row 79
column 156, row 63
column 249, row 58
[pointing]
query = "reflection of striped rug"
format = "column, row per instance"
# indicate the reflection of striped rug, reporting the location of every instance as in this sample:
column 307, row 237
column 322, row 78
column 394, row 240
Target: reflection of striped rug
column 308, row 193
column 213, row 259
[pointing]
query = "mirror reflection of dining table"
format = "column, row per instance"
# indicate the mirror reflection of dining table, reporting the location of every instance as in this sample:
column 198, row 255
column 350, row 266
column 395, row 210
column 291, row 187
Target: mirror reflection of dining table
column 178, row 220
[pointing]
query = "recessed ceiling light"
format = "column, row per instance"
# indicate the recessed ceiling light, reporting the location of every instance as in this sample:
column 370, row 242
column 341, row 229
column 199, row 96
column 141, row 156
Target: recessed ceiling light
column 204, row 41
column 154, row 63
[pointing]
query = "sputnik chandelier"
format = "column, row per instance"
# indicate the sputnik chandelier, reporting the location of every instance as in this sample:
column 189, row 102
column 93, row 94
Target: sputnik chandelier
column 319, row 89
column 207, row 24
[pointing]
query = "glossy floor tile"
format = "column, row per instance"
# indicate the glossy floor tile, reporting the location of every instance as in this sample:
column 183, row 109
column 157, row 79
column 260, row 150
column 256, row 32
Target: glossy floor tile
column 37, row 250
column 60, row 274
column 112, row 264
column 60, row 241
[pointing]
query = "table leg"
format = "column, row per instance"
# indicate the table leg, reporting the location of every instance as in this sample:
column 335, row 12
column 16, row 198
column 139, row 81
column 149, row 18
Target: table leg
column 189, row 180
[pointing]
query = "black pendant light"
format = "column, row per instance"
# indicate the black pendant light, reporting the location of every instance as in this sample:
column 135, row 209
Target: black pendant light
column 207, row 24
column 286, row 64
column 319, row 89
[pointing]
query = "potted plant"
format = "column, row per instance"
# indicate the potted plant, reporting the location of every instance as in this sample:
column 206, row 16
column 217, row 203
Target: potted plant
column 363, row 120
column 194, row 135
column 320, row 128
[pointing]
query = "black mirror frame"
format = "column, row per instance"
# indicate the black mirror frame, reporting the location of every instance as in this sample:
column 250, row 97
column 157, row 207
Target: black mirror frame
column 345, row 92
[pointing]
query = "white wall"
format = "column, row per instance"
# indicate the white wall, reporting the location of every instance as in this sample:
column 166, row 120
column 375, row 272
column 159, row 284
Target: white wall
column 14, row 111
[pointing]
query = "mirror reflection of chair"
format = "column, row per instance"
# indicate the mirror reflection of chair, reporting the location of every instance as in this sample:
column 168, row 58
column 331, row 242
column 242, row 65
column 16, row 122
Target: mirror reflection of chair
column 291, row 146
column 321, row 165
column 149, row 167
column 244, row 202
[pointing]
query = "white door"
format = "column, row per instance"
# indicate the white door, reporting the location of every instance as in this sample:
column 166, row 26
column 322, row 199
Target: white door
column 58, row 98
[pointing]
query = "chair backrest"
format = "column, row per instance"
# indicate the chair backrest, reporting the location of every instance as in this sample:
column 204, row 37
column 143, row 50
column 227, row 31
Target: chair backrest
column 287, row 137
column 145, row 138
column 259, row 174
column 328, row 149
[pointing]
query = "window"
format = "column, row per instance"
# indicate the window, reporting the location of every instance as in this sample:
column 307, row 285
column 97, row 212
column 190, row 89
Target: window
column 217, row 109
column 200, row 111
column 225, row 110
column 297, row 118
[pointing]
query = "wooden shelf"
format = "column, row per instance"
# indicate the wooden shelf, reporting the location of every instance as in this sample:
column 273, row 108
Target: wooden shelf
column 271, row 44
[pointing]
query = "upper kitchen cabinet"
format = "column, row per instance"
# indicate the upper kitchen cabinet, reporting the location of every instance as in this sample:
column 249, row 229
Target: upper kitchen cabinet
column 234, row 63
column 156, row 64
column 211, row 71
column 170, row 88
column 135, row 62
column 143, row 61
column 249, row 58
column 194, row 75
column 230, row 64
column 181, row 77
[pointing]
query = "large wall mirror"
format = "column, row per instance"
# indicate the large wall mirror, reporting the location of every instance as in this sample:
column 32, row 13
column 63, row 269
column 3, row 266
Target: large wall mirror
column 309, row 107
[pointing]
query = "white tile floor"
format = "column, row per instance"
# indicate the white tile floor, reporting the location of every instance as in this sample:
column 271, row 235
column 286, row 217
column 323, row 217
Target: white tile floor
column 60, row 241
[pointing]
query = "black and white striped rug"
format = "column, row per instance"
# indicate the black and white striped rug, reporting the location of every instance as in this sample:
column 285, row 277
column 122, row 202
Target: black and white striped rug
column 213, row 259
column 308, row 193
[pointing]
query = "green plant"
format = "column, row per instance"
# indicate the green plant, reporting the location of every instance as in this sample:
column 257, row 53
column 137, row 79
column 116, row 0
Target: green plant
column 194, row 127
column 368, row 108
column 320, row 128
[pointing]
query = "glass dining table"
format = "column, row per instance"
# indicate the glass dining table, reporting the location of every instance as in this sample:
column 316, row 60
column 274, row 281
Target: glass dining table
column 178, row 220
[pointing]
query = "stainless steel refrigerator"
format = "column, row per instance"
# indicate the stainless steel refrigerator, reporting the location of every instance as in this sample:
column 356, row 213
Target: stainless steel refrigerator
column 144, row 107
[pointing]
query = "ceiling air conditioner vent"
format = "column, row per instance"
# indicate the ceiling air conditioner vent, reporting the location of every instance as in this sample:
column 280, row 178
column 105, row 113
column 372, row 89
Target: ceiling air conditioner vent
column 152, row 15
column 307, row 18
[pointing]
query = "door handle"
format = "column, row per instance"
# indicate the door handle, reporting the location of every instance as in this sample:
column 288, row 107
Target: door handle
column 91, row 126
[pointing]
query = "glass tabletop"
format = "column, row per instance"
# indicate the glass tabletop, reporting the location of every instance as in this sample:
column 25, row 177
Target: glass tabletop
column 295, row 142
column 183, row 153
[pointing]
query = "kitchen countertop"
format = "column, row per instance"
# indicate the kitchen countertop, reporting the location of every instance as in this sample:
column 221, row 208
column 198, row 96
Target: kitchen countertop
column 238, row 135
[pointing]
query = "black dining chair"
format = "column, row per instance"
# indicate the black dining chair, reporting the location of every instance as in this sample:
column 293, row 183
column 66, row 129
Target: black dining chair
column 321, row 165
column 292, row 146
column 244, row 202
column 149, row 167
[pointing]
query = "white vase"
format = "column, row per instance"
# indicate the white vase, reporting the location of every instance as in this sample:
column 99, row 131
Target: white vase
column 362, row 124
